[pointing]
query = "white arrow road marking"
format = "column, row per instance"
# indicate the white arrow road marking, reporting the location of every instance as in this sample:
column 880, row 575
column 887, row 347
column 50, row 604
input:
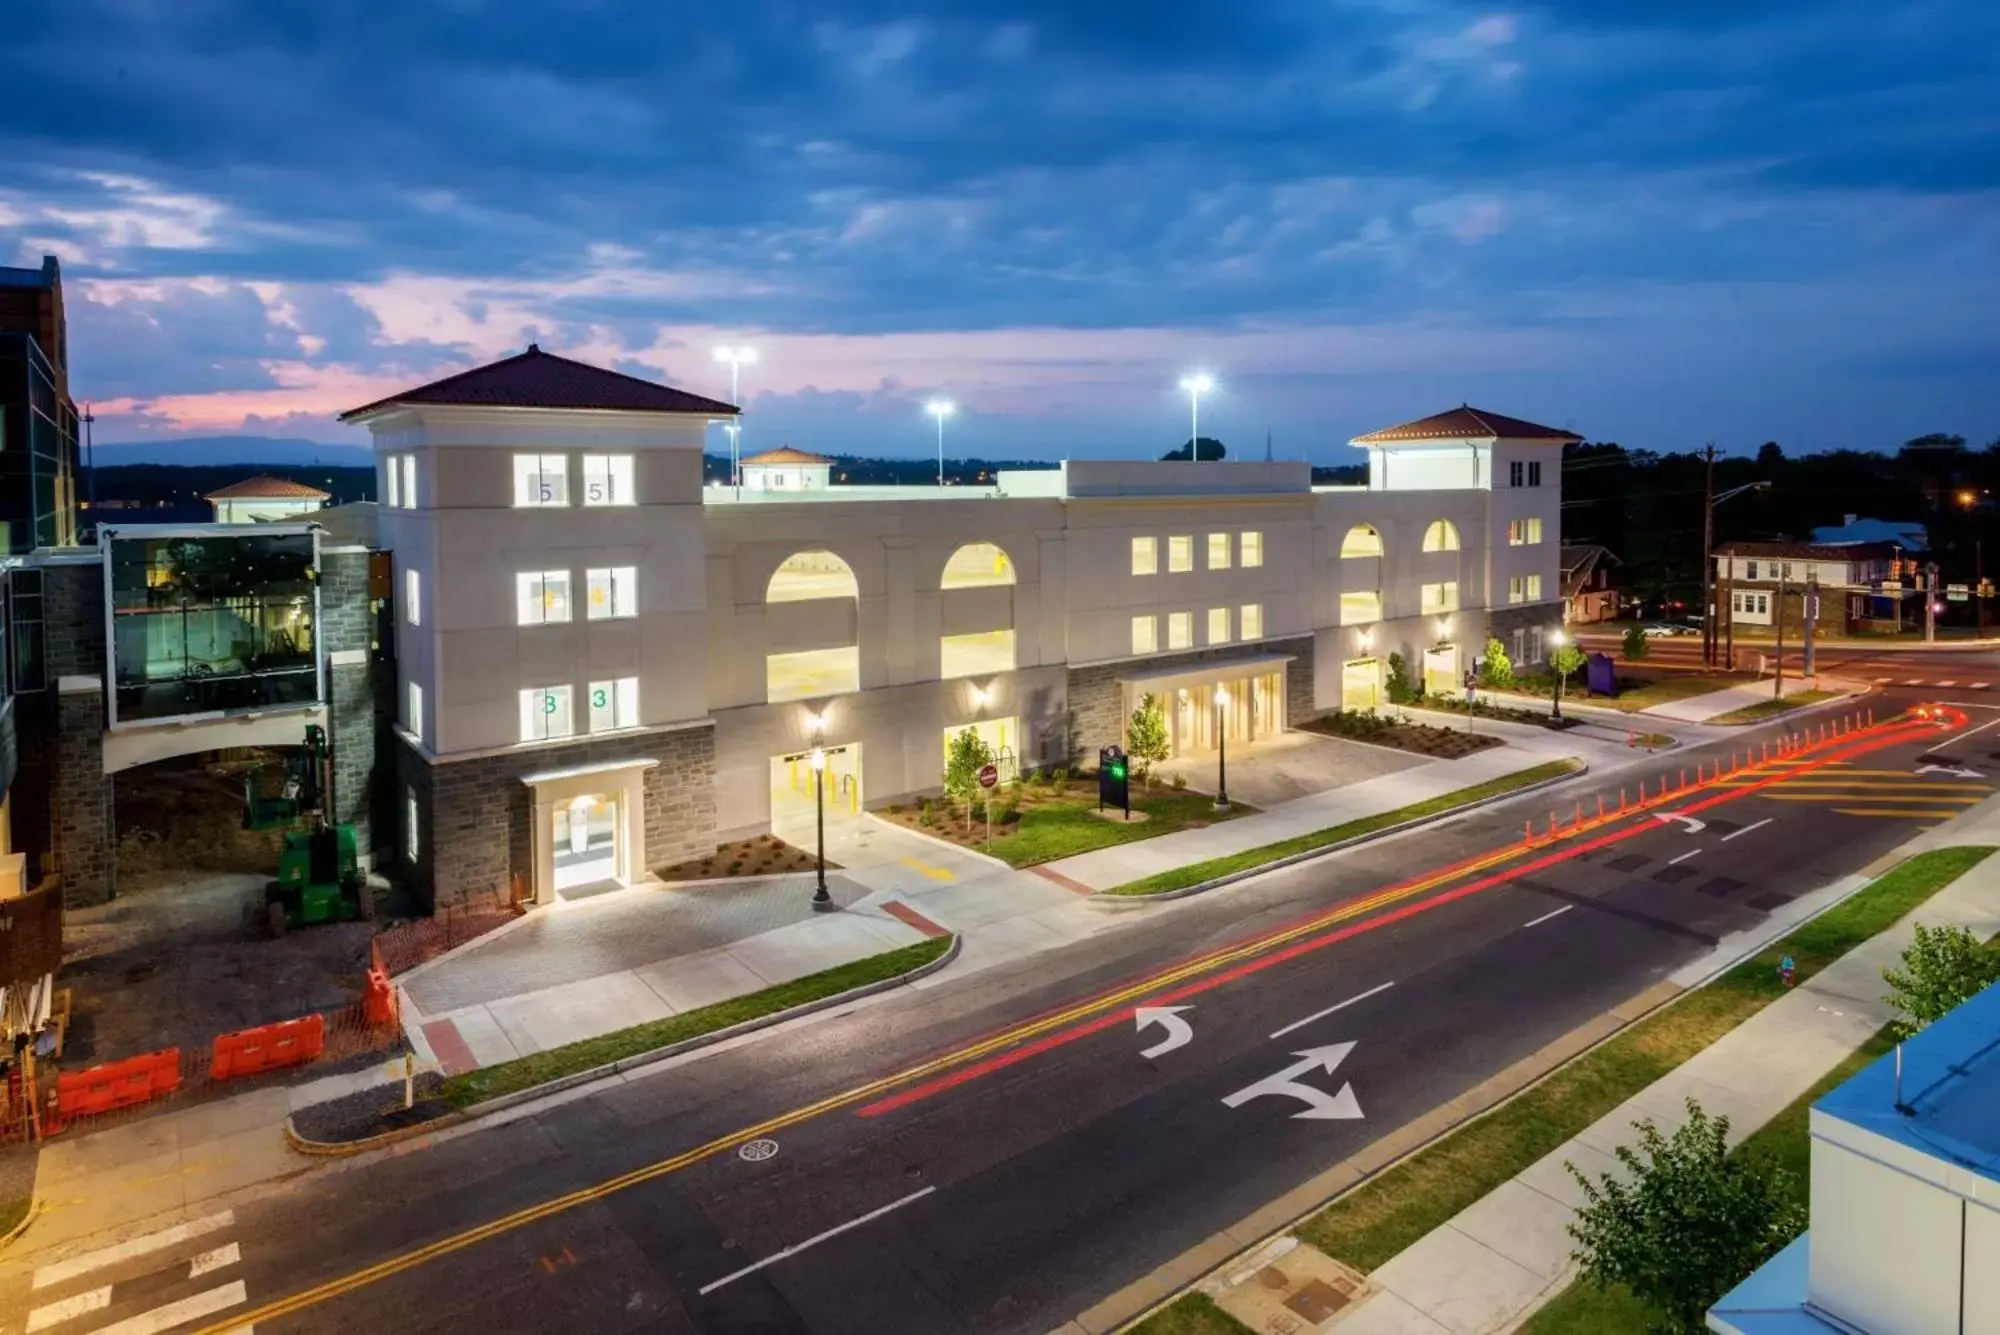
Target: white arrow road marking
column 1693, row 826
column 1179, row 1032
column 1950, row 769
column 1320, row 1105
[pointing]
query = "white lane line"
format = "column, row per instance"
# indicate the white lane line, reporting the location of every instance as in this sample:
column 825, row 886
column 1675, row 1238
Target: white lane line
column 54, row 1314
column 1947, row 683
column 1746, row 829
column 1883, row 681
column 1546, row 916
column 1975, row 686
column 872, row 1215
column 1340, row 1006
column 214, row 1260
column 1914, row 681
column 180, row 1313
column 1683, row 857
column 125, row 1251
column 1995, row 723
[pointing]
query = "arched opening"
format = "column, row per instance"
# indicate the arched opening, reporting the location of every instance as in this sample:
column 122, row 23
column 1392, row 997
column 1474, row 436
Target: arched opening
column 976, row 612
column 1441, row 536
column 812, row 628
column 1362, row 540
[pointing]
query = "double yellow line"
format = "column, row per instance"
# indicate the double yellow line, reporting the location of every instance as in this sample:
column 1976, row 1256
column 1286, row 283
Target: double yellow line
column 972, row 1052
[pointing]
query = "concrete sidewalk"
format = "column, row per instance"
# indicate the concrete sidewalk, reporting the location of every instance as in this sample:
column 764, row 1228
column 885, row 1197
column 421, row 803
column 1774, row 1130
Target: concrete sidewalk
column 1498, row 1261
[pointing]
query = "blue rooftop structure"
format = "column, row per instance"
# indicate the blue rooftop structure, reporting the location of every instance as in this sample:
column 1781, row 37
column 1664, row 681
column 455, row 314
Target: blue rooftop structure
column 1907, row 534
column 1905, row 1236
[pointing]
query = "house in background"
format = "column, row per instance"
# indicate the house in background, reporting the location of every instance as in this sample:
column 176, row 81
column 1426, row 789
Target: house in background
column 787, row 469
column 1907, row 534
column 1752, row 578
column 1589, row 592
column 262, row 499
column 1905, row 1234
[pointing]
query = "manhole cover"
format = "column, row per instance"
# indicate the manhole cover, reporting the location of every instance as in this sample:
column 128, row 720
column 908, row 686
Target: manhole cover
column 756, row 1151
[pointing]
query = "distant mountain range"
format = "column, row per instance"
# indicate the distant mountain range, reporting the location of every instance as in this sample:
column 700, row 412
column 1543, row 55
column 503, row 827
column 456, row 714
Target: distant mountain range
column 274, row 451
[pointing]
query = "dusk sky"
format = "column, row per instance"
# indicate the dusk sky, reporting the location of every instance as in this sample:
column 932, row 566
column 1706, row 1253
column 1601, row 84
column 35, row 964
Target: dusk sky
column 1766, row 219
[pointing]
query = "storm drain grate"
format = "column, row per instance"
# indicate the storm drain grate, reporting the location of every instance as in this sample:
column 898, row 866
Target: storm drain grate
column 1671, row 875
column 1719, row 886
column 1628, row 862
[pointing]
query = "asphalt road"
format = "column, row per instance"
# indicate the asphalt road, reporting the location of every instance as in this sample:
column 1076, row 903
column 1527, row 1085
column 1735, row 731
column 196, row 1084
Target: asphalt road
column 999, row 1152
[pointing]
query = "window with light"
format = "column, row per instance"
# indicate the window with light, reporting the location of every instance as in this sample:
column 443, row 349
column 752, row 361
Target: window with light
column 1145, row 635
column 413, row 598
column 614, row 704
column 547, row 712
column 1180, row 554
column 541, row 597
column 1218, row 625
column 607, row 480
column 1439, row 598
column 1251, row 616
column 541, row 479
column 1145, row 556
column 1250, row 548
column 1218, row 551
column 612, row 592
column 1180, row 630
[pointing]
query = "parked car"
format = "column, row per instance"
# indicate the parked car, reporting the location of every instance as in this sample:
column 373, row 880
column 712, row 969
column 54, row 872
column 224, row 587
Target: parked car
column 1661, row 629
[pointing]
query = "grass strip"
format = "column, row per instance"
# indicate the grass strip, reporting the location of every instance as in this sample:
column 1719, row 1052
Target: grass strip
column 1194, row 873
column 1584, row 1309
column 1764, row 709
column 1064, row 829
column 1389, row 1213
column 462, row 1091
column 12, row 1212
column 1191, row 1314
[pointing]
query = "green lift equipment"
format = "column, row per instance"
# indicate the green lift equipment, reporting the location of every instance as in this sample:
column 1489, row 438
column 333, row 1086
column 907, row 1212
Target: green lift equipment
column 319, row 870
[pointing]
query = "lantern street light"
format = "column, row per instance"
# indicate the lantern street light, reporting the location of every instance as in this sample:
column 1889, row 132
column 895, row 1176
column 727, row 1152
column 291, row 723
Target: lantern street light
column 940, row 409
column 1557, row 639
column 1196, row 386
column 1221, row 750
column 736, row 359
column 821, row 900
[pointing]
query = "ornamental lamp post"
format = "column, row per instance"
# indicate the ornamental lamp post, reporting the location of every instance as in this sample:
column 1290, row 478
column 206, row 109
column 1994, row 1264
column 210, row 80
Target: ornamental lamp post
column 1558, row 639
column 1221, row 749
column 822, row 900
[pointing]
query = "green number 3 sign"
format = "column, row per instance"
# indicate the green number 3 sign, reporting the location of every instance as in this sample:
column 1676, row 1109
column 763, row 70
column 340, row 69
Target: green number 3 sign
column 600, row 698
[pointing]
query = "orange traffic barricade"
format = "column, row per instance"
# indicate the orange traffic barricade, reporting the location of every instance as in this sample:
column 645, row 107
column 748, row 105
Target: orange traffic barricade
column 378, row 1000
column 267, row 1047
column 118, row 1084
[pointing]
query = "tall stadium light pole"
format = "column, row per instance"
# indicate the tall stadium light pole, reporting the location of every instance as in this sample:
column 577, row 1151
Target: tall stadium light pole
column 1196, row 386
column 940, row 409
column 736, row 358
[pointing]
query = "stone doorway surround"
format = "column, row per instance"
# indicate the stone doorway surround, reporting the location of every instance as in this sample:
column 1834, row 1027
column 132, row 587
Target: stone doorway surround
column 621, row 780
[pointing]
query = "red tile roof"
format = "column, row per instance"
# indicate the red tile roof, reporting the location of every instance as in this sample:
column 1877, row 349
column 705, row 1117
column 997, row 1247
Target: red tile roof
column 537, row 379
column 1467, row 423
column 785, row 454
column 264, row 487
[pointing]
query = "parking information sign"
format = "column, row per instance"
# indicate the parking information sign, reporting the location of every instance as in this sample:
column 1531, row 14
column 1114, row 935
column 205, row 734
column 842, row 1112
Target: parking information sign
column 1113, row 787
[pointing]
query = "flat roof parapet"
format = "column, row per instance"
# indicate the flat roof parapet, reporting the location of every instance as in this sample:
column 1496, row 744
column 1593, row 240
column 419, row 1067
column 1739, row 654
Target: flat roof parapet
column 1166, row 477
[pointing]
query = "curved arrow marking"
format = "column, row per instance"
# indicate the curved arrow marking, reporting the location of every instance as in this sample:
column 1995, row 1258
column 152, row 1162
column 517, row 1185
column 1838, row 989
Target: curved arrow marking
column 1179, row 1032
column 1693, row 826
column 1951, row 769
column 1320, row 1105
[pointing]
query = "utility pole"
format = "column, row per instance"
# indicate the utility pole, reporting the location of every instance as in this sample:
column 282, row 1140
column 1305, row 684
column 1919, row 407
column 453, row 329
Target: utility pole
column 1708, row 556
column 1778, row 692
column 1810, row 669
column 1930, row 603
column 1979, row 587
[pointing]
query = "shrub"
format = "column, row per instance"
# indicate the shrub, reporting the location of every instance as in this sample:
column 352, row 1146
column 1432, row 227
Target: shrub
column 894, row 808
column 1180, row 782
column 1009, row 810
column 1636, row 645
column 1398, row 685
column 1495, row 668
column 1058, row 779
column 1146, row 735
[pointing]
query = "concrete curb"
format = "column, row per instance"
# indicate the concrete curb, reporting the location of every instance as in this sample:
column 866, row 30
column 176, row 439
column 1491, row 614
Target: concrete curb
column 1847, row 697
column 1107, row 900
column 1166, row 1285
column 343, row 1149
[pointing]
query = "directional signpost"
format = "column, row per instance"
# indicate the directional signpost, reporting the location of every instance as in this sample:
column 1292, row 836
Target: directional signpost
column 1320, row 1105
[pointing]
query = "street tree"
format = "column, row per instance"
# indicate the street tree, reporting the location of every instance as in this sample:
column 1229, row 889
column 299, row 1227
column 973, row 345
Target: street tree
column 1942, row 967
column 1566, row 659
column 1687, row 1224
column 1146, row 735
column 1636, row 645
column 967, row 755
column 1401, row 692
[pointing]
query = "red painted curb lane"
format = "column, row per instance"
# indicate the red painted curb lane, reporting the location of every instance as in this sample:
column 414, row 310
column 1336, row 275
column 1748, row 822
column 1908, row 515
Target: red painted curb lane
column 1836, row 750
column 902, row 912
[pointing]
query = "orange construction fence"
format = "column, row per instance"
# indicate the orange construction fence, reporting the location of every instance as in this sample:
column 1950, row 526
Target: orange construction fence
column 118, row 1084
column 251, row 1051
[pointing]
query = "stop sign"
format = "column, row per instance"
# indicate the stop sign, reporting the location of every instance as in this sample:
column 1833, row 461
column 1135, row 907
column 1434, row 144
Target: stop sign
column 989, row 776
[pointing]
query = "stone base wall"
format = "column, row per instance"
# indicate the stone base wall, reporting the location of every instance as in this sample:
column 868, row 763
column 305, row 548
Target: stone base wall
column 1096, row 705
column 81, row 799
column 473, row 815
column 351, row 720
column 1502, row 621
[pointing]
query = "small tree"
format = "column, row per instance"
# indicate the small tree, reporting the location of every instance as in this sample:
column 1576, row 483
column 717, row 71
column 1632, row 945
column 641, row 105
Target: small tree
column 1637, row 646
column 1691, row 1222
column 1941, row 968
column 1398, row 685
column 967, row 755
column 1566, row 659
column 1495, row 668
column 1146, row 735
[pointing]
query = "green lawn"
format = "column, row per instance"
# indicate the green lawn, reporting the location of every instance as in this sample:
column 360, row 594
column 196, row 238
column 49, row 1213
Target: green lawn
column 1583, row 1309
column 12, row 1212
column 1372, row 1224
column 1191, row 1314
column 488, row 1082
column 1062, row 828
column 1194, row 873
column 1764, row 709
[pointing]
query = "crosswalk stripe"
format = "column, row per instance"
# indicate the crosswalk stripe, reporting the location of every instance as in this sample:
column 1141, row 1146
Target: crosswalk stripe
column 59, row 1271
column 179, row 1313
column 1913, row 681
column 68, row 1309
column 214, row 1260
column 1975, row 686
column 1947, row 683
